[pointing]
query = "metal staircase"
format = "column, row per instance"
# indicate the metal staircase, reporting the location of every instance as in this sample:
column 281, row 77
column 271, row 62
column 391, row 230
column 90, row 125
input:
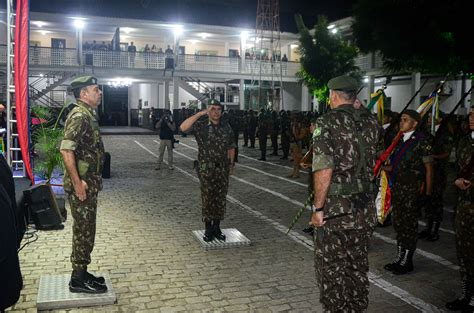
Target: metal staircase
column 41, row 85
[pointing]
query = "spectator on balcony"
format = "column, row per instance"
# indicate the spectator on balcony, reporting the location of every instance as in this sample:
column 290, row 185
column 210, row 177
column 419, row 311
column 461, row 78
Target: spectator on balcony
column 169, row 60
column 146, row 55
column 86, row 46
column 94, row 45
column 284, row 65
column 103, row 46
column 247, row 55
column 132, row 51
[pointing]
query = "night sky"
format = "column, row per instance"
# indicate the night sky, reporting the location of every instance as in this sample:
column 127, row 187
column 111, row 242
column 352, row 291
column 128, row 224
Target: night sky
column 237, row 13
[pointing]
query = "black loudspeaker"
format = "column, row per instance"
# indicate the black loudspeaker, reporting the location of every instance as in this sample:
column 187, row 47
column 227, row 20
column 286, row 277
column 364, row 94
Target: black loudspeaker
column 42, row 207
column 89, row 59
column 106, row 169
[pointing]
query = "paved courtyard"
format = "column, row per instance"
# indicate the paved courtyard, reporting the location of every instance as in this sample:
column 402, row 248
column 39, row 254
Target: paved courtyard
column 144, row 242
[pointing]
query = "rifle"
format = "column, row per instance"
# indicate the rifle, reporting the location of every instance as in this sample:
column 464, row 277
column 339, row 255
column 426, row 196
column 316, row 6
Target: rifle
column 395, row 120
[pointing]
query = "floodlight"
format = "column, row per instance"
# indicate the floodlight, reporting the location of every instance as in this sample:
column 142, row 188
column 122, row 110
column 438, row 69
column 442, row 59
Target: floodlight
column 177, row 30
column 79, row 24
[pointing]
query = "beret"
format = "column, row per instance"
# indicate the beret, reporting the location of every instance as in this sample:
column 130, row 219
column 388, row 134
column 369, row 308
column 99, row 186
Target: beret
column 343, row 82
column 83, row 81
column 213, row 102
column 413, row 114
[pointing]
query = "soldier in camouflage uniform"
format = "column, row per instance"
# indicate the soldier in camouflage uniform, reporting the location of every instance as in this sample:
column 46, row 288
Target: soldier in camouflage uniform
column 215, row 163
column 344, row 153
column 285, row 134
column 411, row 167
column 442, row 145
column 83, row 154
column 263, row 125
column 464, row 220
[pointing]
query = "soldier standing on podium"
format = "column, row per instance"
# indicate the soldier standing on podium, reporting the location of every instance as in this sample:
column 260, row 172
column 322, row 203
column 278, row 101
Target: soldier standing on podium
column 216, row 151
column 83, row 155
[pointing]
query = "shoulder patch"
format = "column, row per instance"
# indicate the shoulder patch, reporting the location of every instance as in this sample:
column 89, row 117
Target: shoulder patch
column 317, row 132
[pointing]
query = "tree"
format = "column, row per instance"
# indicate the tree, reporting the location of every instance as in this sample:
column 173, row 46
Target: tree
column 426, row 36
column 323, row 56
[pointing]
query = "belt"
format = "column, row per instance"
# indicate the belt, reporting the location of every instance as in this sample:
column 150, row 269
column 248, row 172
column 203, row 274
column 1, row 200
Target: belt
column 347, row 189
column 207, row 165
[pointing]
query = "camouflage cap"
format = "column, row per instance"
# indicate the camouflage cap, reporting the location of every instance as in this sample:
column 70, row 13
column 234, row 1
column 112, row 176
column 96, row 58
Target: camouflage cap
column 83, row 81
column 413, row 114
column 343, row 82
column 213, row 102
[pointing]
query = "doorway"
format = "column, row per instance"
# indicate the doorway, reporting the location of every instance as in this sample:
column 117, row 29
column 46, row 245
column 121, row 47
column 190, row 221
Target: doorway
column 114, row 109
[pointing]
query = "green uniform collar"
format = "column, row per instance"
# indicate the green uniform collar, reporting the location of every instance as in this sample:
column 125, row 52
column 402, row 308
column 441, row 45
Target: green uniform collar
column 85, row 106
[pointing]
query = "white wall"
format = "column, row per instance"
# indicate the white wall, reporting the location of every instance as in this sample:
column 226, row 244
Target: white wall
column 292, row 96
column 146, row 92
column 185, row 97
column 401, row 94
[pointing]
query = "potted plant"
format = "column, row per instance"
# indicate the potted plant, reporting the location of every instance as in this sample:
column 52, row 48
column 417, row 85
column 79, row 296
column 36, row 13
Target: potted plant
column 47, row 133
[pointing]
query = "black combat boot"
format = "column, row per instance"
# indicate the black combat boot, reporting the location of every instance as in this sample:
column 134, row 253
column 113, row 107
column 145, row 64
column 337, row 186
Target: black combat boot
column 208, row 233
column 427, row 231
column 460, row 303
column 400, row 255
column 97, row 279
column 82, row 282
column 309, row 230
column 406, row 264
column 217, row 230
column 434, row 236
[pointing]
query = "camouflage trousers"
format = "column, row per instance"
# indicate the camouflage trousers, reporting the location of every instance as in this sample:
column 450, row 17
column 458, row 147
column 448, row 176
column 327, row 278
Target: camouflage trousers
column 405, row 214
column 435, row 211
column 464, row 224
column 83, row 229
column 214, row 187
column 341, row 262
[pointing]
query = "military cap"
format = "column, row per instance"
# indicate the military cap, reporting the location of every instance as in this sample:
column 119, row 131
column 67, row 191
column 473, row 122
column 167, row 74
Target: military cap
column 83, row 81
column 343, row 82
column 213, row 102
column 413, row 114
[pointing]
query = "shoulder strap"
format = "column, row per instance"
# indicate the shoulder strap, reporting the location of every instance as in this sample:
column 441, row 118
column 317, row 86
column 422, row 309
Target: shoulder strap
column 355, row 115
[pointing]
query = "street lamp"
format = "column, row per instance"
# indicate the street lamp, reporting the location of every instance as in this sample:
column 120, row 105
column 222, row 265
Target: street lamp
column 79, row 25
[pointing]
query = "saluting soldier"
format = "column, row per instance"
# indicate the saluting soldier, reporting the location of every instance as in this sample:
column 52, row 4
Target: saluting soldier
column 464, row 220
column 216, row 149
column 344, row 153
column 411, row 167
column 83, row 155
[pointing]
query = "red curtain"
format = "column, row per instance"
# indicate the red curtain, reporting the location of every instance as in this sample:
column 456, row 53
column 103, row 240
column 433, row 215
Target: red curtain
column 21, row 81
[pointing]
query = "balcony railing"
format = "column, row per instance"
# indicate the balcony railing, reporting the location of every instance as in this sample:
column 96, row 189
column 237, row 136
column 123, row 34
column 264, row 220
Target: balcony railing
column 40, row 56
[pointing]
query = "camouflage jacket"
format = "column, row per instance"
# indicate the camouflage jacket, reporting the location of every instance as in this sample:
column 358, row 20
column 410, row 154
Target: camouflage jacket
column 442, row 142
column 464, row 154
column 213, row 141
column 346, row 140
column 408, row 159
column 82, row 135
